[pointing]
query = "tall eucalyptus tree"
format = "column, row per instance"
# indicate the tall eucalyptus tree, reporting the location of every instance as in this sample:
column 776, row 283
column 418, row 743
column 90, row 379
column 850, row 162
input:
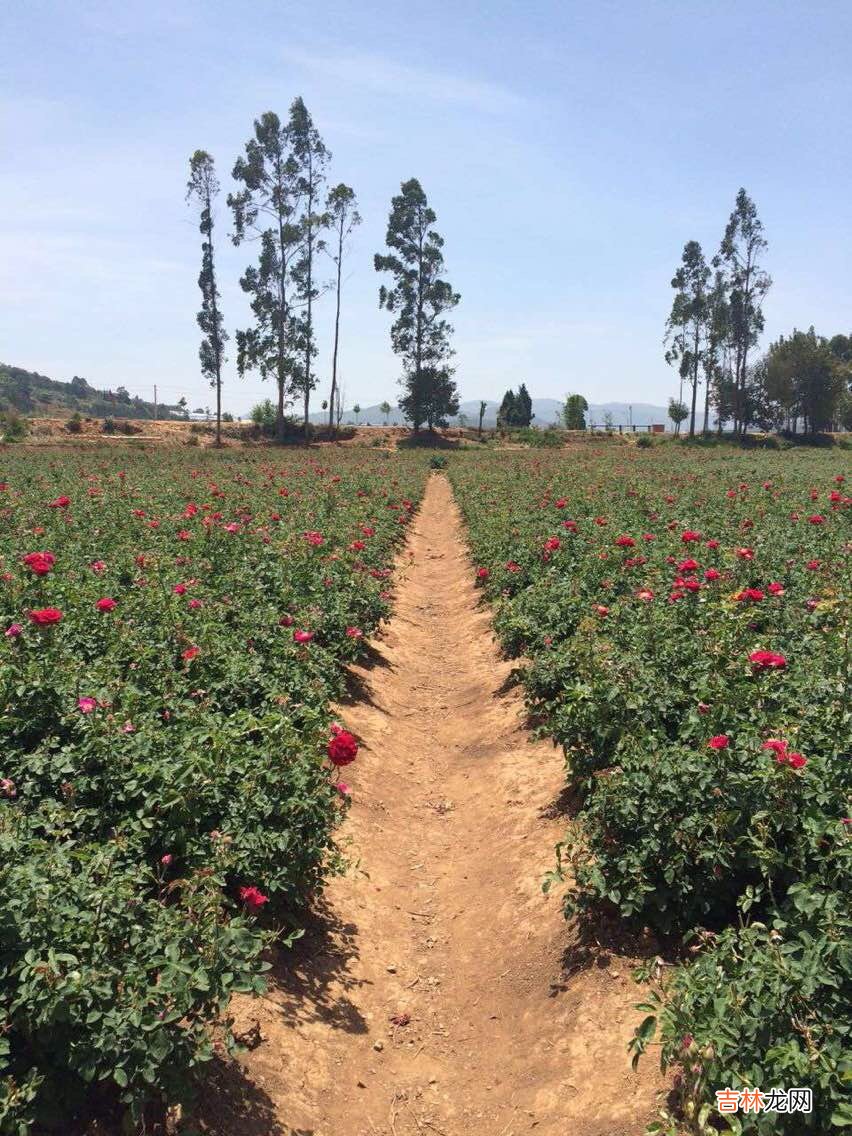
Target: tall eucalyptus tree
column 265, row 210
column 203, row 189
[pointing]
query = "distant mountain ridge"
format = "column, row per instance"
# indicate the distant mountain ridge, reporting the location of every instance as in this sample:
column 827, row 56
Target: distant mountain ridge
column 546, row 411
column 28, row 392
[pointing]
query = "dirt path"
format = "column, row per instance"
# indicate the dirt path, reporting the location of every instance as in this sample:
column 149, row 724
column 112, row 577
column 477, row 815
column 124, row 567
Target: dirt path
column 513, row 1026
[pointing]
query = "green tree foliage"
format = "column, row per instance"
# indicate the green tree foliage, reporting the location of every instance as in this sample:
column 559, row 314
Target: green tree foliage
column 686, row 329
column 311, row 158
column 523, row 406
column 203, row 188
column 419, row 298
column 506, row 413
column 747, row 283
column 716, row 355
column 266, row 210
column 678, row 413
column 804, row 381
column 385, row 409
column 841, row 349
column 28, row 392
column 574, row 412
column 515, row 409
column 342, row 211
column 263, row 415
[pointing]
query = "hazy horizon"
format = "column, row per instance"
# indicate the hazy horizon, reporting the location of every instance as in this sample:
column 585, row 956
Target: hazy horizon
column 569, row 154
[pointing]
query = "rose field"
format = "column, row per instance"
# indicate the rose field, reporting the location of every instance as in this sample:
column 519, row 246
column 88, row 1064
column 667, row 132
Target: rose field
column 178, row 729
column 684, row 620
column 174, row 631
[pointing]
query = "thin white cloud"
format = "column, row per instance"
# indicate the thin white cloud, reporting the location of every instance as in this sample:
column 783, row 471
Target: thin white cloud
column 386, row 76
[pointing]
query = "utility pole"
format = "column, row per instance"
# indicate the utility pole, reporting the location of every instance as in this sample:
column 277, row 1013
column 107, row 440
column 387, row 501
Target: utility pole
column 155, row 402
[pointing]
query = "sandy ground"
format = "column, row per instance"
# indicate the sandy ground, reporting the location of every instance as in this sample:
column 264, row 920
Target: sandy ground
column 440, row 991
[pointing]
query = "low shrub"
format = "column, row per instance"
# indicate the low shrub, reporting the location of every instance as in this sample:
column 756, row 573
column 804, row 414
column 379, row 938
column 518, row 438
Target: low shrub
column 110, row 972
column 13, row 426
column 763, row 1005
column 679, row 837
column 171, row 648
column 683, row 617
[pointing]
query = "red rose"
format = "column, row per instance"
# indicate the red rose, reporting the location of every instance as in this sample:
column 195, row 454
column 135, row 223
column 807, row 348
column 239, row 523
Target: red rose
column 45, row 616
column 482, row 573
column 60, row 503
column 106, row 604
column 719, row 741
column 777, row 745
column 767, row 660
column 191, row 653
column 253, row 898
column 342, row 748
column 303, row 636
column 39, row 562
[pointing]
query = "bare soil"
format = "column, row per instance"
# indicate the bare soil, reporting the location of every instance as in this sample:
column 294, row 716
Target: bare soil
column 439, row 990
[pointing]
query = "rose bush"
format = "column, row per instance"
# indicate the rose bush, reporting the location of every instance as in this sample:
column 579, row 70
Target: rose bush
column 164, row 775
column 683, row 617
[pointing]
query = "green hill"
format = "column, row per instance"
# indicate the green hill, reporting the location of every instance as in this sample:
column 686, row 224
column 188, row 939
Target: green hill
column 29, row 393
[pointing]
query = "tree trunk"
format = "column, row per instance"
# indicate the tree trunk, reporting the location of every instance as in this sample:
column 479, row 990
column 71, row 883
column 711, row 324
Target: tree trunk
column 418, row 351
column 336, row 327
column 279, row 417
column 694, row 378
column 282, row 314
column 309, row 328
column 217, row 339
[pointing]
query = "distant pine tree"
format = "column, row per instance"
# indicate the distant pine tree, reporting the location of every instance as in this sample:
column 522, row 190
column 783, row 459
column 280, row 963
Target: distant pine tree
column 523, row 407
column 506, row 413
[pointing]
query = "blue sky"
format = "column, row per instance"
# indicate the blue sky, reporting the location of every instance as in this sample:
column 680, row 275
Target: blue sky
column 568, row 149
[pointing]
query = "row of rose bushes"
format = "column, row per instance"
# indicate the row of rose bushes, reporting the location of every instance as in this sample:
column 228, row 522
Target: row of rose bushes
column 173, row 630
column 684, row 619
